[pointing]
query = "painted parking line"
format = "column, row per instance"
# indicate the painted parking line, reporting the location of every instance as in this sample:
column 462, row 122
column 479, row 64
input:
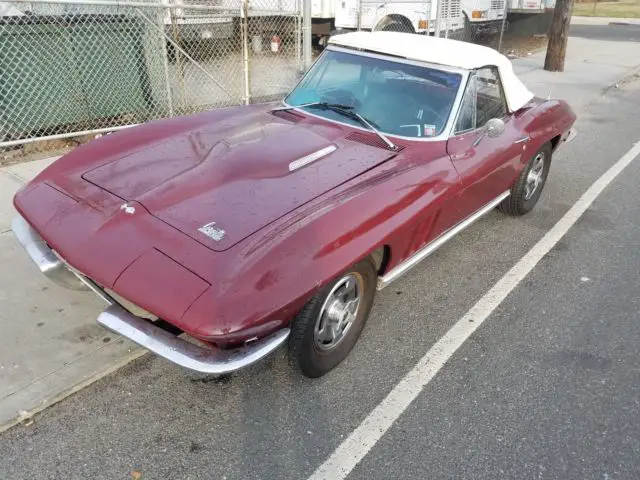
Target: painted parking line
column 356, row 446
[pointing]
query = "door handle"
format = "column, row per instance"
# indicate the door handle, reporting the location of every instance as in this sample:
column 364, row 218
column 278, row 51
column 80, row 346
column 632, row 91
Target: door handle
column 522, row 139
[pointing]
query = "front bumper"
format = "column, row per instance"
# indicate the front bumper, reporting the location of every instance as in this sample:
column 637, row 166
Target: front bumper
column 47, row 261
column 142, row 331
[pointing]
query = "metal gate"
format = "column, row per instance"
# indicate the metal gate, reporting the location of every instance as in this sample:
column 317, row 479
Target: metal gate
column 90, row 66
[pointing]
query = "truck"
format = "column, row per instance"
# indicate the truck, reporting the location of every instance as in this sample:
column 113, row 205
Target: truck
column 462, row 19
column 526, row 6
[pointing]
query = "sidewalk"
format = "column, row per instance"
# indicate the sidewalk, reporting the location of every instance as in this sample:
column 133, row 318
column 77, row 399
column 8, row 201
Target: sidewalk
column 604, row 21
column 51, row 345
column 591, row 67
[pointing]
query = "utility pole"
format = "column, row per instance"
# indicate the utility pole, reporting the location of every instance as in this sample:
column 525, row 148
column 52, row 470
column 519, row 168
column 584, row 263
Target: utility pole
column 558, row 36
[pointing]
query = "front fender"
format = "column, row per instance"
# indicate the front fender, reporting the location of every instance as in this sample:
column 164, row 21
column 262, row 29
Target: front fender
column 273, row 273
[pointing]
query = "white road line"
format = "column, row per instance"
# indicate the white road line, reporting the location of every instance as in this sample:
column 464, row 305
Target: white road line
column 354, row 448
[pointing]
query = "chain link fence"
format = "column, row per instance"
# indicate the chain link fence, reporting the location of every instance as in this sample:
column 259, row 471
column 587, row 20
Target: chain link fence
column 91, row 66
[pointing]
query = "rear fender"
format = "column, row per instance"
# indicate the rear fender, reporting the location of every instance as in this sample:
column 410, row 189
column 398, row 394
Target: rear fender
column 545, row 122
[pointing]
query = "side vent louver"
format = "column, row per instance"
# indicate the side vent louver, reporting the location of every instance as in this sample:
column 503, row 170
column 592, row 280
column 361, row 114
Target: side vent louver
column 288, row 115
column 366, row 139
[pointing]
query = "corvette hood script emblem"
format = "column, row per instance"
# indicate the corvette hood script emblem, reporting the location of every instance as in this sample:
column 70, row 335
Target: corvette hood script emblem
column 211, row 231
column 128, row 209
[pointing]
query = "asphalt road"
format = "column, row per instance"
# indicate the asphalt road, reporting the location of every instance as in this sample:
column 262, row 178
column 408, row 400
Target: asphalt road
column 617, row 33
column 548, row 387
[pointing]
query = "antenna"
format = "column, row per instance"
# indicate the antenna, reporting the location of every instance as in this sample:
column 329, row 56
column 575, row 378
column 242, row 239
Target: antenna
column 549, row 95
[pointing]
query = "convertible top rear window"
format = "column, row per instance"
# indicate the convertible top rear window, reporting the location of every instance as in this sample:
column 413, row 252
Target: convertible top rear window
column 397, row 98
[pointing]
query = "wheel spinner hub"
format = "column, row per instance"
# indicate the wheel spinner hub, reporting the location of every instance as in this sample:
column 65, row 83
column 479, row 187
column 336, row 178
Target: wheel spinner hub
column 338, row 312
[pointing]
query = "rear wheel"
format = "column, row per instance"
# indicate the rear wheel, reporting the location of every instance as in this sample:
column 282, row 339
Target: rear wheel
column 327, row 328
column 528, row 188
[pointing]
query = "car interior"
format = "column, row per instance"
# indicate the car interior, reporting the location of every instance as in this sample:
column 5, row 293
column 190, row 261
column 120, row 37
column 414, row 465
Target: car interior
column 396, row 98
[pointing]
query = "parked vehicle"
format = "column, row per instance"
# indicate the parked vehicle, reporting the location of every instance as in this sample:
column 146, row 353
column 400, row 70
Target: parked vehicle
column 398, row 16
column 526, row 6
column 482, row 17
column 465, row 19
column 254, row 226
column 201, row 31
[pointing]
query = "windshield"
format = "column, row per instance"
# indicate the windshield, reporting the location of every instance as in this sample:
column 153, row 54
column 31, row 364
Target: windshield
column 397, row 98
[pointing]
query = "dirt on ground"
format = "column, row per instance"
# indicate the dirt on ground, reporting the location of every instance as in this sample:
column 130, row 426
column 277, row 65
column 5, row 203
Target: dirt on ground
column 516, row 47
column 41, row 149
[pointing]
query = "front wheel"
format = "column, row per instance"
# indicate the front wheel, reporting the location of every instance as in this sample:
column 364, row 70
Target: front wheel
column 528, row 187
column 327, row 328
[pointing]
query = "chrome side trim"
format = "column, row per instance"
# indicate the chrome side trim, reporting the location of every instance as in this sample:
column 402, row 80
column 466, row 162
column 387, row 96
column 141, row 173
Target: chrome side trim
column 428, row 249
column 184, row 353
column 522, row 139
column 312, row 157
column 45, row 258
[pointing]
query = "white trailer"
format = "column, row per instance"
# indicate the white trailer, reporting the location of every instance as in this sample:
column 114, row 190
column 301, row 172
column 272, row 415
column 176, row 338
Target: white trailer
column 482, row 17
column 526, row 6
column 464, row 19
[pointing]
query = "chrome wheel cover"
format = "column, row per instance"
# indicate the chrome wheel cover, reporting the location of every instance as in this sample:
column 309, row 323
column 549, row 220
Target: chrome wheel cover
column 535, row 176
column 338, row 312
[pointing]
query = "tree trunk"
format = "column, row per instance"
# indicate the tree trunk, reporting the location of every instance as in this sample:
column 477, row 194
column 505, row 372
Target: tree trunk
column 558, row 36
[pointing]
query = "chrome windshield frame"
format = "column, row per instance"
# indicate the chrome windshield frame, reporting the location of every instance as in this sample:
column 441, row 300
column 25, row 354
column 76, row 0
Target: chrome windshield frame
column 448, row 128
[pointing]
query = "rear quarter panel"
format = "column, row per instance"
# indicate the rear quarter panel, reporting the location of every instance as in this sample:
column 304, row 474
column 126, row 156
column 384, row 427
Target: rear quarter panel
column 546, row 122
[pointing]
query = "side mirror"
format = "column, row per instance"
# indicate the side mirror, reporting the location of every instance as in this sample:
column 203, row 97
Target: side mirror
column 494, row 127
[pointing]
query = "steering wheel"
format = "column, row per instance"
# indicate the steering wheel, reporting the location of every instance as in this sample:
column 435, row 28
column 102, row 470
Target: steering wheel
column 435, row 112
column 340, row 96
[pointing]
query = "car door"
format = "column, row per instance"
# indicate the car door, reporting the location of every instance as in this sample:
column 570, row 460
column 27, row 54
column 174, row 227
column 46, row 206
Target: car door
column 487, row 165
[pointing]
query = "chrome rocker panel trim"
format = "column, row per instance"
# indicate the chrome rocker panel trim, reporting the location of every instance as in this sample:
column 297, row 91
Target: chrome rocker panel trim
column 186, row 354
column 47, row 261
column 428, row 249
column 139, row 330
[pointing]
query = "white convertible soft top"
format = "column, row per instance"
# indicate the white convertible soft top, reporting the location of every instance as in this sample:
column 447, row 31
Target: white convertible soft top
column 440, row 51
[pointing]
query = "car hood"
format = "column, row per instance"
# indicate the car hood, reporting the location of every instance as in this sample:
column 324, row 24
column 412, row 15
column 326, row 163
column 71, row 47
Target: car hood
column 235, row 175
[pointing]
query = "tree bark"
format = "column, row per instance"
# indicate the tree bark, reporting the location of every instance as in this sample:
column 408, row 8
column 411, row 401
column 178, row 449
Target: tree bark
column 558, row 36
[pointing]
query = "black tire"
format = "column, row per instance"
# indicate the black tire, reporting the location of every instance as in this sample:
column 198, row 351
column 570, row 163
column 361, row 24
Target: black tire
column 397, row 26
column 518, row 203
column 304, row 351
column 467, row 31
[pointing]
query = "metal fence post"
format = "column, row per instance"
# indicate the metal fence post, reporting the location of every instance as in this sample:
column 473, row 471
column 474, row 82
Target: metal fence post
column 436, row 28
column 165, row 58
column 306, row 33
column 502, row 27
column 446, row 22
column 244, row 27
column 299, row 60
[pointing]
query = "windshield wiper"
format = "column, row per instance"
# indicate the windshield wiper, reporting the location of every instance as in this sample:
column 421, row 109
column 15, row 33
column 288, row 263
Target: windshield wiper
column 347, row 111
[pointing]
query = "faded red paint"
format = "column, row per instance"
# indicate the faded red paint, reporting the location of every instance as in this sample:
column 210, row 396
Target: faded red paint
column 287, row 233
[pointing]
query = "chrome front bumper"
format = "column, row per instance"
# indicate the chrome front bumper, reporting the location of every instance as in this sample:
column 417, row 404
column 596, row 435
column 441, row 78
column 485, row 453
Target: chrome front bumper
column 46, row 260
column 140, row 330
column 184, row 353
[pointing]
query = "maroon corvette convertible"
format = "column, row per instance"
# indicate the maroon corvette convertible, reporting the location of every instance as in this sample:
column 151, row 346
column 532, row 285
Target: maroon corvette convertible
column 250, row 227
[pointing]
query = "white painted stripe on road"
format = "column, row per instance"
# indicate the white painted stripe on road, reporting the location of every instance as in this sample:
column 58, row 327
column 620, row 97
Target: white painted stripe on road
column 354, row 448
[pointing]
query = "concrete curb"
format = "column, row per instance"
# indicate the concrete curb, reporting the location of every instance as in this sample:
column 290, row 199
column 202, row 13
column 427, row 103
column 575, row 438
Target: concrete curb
column 26, row 415
column 629, row 76
column 604, row 21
